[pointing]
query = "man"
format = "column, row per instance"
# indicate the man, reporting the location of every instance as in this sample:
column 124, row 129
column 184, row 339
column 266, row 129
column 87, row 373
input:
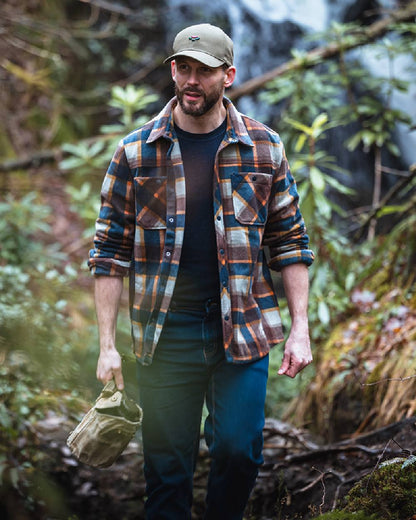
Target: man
column 188, row 203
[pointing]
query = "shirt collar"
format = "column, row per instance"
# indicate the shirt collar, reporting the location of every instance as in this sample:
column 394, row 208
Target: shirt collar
column 236, row 129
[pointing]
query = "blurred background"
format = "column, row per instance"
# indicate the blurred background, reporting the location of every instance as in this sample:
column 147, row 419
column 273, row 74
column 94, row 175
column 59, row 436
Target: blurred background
column 336, row 79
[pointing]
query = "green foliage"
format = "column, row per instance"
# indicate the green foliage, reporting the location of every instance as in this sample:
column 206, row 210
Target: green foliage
column 345, row 90
column 93, row 156
column 303, row 96
column 83, row 157
column 86, row 158
column 26, row 261
column 24, row 400
column 310, row 165
column 129, row 101
column 315, row 101
column 35, row 282
column 378, row 124
column 399, row 245
column 85, row 202
column 332, row 273
column 20, row 222
column 40, row 352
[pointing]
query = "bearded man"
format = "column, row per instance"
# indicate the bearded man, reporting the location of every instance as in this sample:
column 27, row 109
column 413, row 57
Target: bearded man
column 189, row 203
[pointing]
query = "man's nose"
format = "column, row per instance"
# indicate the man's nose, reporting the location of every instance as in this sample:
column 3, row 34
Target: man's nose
column 193, row 77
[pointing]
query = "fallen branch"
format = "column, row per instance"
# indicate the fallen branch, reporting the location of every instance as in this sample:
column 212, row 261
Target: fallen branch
column 389, row 379
column 110, row 6
column 45, row 156
column 32, row 161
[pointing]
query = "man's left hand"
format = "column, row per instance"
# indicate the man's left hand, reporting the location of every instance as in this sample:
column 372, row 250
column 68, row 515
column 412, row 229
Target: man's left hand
column 297, row 354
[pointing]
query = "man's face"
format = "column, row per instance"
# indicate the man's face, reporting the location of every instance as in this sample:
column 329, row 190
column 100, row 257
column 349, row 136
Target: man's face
column 197, row 86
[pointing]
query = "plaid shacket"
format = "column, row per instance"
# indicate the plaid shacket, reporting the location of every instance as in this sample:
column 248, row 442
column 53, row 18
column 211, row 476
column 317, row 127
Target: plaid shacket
column 140, row 228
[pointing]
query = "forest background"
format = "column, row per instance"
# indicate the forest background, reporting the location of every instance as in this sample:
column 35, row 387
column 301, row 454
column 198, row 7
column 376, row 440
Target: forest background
column 77, row 75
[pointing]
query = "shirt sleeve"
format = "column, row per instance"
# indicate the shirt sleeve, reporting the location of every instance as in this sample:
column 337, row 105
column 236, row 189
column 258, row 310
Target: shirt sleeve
column 114, row 229
column 285, row 231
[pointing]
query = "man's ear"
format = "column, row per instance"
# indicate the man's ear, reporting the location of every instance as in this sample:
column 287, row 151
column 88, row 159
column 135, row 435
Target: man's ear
column 229, row 77
column 173, row 69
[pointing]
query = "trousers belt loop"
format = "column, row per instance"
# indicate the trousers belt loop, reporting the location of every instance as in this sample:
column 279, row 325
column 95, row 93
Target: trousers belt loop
column 211, row 305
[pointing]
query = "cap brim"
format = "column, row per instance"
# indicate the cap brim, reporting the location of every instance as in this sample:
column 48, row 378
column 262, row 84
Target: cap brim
column 203, row 57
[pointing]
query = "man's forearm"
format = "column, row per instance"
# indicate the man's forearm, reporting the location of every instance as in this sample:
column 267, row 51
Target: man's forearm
column 297, row 353
column 295, row 279
column 108, row 290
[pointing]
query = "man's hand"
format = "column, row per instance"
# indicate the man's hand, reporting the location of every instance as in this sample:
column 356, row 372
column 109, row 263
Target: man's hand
column 297, row 354
column 109, row 367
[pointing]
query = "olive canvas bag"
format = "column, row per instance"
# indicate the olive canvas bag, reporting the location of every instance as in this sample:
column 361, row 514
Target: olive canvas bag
column 106, row 429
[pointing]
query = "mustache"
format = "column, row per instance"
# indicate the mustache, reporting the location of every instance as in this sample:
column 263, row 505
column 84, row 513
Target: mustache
column 192, row 91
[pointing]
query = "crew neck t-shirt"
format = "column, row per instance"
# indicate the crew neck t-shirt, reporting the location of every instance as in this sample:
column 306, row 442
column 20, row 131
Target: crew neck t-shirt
column 198, row 278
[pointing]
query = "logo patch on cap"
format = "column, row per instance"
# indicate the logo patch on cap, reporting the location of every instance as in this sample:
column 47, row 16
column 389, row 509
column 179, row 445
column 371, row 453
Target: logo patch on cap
column 194, row 38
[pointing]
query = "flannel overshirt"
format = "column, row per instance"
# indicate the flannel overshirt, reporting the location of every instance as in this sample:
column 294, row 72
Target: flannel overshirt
column 140, row 228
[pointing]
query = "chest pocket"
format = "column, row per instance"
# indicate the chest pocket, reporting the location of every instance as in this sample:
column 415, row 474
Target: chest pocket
column 150, row 202
column 250, row 197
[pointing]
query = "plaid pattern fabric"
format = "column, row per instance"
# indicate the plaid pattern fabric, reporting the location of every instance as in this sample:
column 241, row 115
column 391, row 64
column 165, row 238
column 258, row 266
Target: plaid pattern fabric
column 139, row 231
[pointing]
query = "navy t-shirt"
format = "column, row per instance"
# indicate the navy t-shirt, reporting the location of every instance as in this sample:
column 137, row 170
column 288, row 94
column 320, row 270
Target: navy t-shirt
column 198, row 278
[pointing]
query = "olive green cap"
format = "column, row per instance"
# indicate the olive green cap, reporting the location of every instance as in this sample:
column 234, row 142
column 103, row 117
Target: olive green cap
column 205, row 43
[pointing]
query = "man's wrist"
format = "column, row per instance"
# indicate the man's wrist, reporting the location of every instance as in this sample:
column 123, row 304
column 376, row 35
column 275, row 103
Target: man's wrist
column 108, row 346
column 300, row 322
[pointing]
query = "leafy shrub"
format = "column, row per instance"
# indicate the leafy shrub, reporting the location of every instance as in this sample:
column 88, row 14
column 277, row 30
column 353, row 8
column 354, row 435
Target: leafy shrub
column 22, row 222
column 24, row 399
column 33, row 291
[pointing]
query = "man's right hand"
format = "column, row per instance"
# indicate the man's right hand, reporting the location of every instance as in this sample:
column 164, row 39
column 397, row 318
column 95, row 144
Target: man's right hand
column 109, row 367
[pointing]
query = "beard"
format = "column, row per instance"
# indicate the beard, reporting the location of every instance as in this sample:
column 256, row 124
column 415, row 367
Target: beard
column 200, row 107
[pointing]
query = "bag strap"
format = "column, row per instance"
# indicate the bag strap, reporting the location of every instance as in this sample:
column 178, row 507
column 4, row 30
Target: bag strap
column 109, row 389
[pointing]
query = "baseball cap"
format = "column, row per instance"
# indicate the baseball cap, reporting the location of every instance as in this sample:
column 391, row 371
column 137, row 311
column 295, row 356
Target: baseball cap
column 204, row 42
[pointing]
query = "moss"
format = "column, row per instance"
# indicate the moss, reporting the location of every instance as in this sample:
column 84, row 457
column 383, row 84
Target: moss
column 389, row 492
